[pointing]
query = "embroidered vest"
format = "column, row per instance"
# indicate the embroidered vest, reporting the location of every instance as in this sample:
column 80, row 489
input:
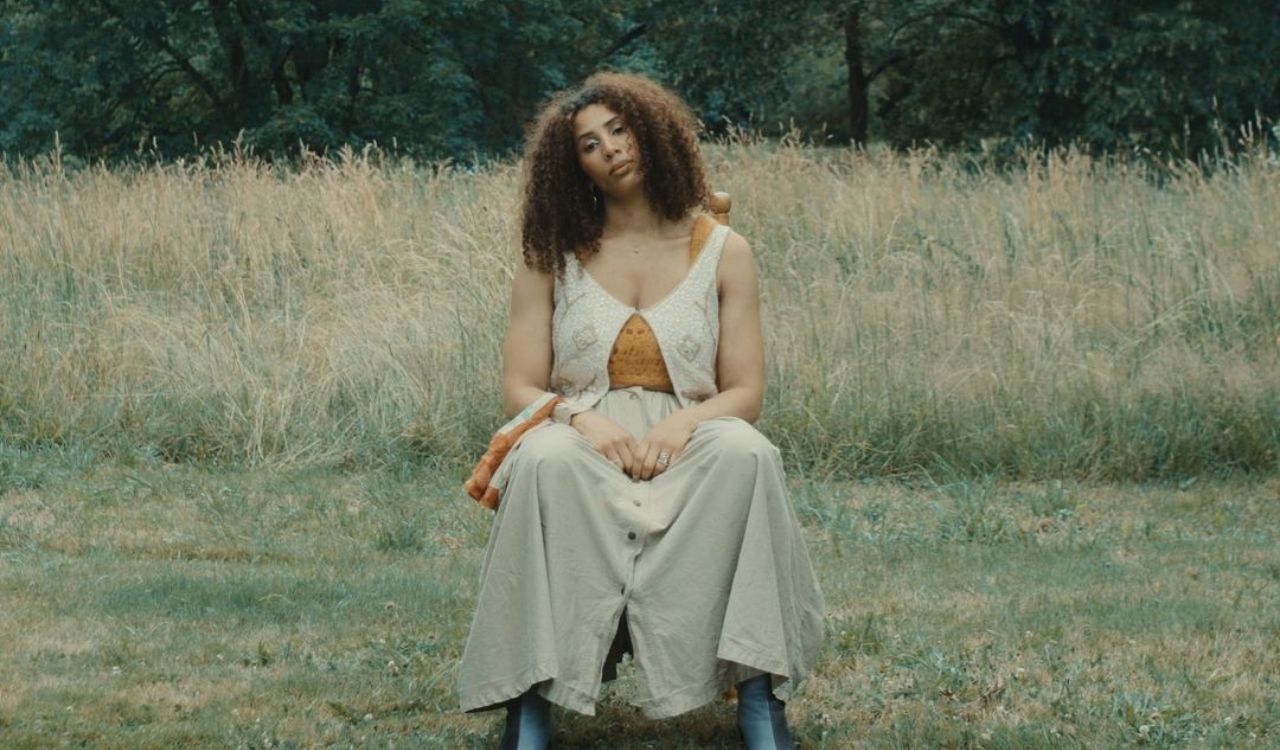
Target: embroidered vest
column 686, row 323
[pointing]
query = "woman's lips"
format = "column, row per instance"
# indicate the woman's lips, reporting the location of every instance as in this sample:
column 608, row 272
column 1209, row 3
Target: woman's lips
column 621, row 168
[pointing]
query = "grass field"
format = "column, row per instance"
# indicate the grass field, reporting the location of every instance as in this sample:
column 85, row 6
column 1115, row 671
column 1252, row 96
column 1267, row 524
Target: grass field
column 1068, row 318
column 159, row 606
column 1031, row 415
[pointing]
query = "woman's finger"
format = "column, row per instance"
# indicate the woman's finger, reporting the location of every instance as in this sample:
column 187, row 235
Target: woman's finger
column 650, row 461
column 663, row 457
column 628, row 457
column 642, row 453
column 634, row 445
column 635, row 454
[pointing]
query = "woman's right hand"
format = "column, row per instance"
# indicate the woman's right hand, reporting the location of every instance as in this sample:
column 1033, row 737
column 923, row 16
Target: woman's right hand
column 609, row 438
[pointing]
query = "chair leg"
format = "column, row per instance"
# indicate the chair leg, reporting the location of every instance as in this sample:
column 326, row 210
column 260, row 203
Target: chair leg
column 528, row 723
column 762, row 718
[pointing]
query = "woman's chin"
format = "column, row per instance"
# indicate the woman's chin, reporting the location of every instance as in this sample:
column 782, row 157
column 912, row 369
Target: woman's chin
column 624, row 186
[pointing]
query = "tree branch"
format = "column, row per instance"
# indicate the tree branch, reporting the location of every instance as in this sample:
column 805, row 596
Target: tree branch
column 884, row 65
column 952, row 14
column 635, row 33
column 269, row 41
column 155, row 37
column 160, row 75
column 990, row 68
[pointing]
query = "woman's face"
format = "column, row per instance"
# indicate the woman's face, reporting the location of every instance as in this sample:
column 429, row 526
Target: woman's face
column 606, row 149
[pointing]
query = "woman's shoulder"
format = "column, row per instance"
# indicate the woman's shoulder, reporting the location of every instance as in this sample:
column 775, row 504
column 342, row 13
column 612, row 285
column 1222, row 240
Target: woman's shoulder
column 736, row 248
column 737, row 267
column 736, row 243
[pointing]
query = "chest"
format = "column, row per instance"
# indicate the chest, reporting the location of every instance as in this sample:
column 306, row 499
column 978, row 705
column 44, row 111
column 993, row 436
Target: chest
column 640, row 280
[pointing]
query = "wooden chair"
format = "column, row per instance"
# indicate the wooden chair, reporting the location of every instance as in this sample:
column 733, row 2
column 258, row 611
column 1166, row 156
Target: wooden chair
column 719, row 206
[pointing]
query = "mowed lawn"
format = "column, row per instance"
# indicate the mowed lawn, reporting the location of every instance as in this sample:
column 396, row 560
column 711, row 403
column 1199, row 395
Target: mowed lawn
column 154, row 605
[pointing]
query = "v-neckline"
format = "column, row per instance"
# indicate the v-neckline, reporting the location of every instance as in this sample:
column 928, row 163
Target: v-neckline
column 702, row 252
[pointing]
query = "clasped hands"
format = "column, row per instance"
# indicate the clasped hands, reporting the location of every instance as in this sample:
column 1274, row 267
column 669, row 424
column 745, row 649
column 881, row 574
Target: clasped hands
column 641, row 459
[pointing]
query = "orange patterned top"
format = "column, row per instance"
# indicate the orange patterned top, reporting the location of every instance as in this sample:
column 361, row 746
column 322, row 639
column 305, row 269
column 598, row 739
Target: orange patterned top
column 636, row 358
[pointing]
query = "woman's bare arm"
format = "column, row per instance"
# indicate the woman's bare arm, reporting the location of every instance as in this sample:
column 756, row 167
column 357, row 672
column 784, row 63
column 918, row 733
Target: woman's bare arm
column 740, row 355
column 526, row 351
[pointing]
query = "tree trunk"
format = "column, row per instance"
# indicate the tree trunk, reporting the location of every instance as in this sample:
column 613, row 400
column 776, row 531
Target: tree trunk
column 858, row 99
column 269, row 44
column 245, row 90
column 353, row 91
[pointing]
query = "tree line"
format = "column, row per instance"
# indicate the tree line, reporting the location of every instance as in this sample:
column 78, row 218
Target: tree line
column 460, row 78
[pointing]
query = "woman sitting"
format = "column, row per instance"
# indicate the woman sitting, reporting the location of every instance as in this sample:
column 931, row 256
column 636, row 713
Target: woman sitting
column 650, row 512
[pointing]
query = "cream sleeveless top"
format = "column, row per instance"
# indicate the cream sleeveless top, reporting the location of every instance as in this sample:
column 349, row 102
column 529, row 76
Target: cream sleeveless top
column 686, row 324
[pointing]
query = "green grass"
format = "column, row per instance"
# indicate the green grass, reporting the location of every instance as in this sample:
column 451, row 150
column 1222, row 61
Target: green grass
column 1032, row 415
column 153, row 605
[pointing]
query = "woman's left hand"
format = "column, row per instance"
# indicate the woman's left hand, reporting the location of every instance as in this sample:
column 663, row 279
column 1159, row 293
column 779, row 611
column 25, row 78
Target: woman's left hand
column 663, row 444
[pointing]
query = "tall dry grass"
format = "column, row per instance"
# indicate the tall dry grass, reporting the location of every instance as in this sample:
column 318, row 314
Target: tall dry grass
column 1065, row 317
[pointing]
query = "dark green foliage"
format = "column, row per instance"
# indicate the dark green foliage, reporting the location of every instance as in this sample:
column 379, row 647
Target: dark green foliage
column 459, row 78
column 434, row 78
column 1164, row 75
column 738, row 63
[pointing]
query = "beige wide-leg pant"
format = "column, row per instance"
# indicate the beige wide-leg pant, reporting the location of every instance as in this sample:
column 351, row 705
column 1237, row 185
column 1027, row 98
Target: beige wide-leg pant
column 706, row 559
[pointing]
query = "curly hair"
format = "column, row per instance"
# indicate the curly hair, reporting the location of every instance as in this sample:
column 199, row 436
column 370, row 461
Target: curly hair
column 561, row 212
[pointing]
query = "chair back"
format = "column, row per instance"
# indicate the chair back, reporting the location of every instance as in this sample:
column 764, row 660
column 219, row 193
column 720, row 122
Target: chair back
column 719, row 205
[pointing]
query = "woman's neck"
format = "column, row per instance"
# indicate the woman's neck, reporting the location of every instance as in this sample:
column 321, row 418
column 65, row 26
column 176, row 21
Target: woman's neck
column 632, row 215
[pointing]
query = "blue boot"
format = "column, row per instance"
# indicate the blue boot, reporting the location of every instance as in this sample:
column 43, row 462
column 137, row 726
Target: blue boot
column 528, row 722
column 761, row 717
